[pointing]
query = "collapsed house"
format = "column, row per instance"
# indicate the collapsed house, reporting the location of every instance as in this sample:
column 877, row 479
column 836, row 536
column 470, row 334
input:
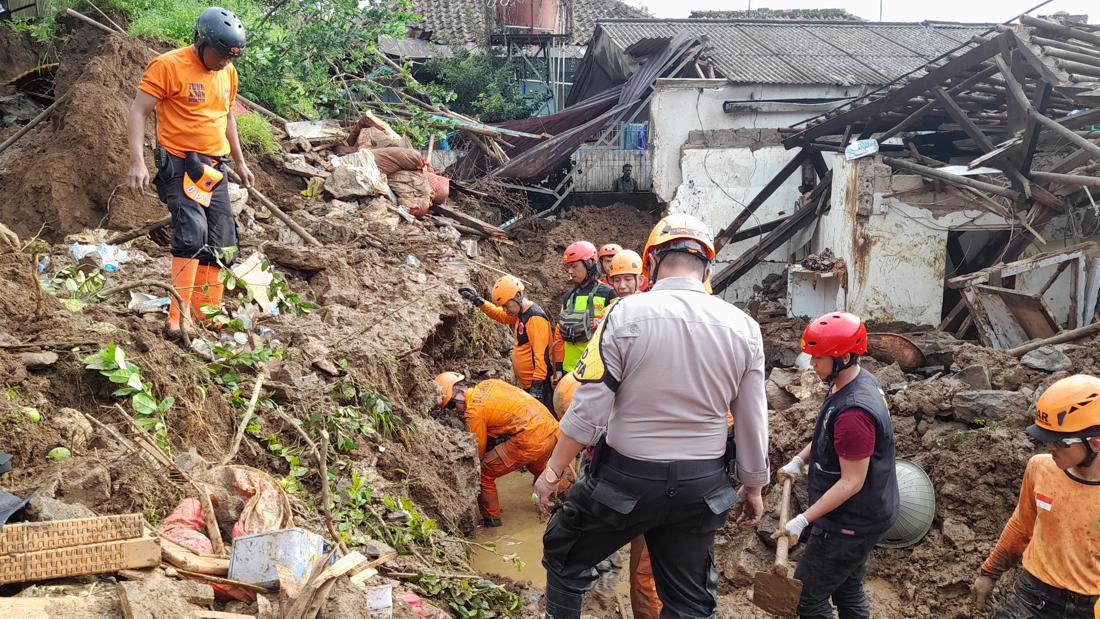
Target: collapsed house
column 976, row 213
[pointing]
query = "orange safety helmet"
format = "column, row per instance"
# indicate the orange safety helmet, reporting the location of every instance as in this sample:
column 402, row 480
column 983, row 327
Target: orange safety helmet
column 1070, row 408
column 835, row 335
column 505, row 289
column 579, row 250
column 626, row 262
column 563, row 394
column 610, row 249
column 680, row 232
column 447, row 382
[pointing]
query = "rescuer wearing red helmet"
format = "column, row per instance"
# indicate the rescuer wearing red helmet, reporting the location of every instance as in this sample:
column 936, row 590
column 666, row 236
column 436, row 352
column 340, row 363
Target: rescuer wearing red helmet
column 606, row 254
column 852, row 484
column 583, row 307
column 531, row 333
column 656, row 383
column 1055, row 530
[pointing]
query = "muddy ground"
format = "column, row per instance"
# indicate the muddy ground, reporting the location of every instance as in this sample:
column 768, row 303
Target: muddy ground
column 387, row 318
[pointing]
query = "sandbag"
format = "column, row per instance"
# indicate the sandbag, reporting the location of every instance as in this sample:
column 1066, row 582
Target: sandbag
column 441, row 187
column 412, row 190
column 371, row 137
column 395, row 159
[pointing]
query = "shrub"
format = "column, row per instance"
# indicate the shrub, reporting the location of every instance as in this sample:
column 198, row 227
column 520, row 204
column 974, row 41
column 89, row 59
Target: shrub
column 256, row 134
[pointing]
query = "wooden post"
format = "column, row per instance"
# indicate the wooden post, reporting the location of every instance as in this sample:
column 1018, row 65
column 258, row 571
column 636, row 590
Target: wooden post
column 953, row 179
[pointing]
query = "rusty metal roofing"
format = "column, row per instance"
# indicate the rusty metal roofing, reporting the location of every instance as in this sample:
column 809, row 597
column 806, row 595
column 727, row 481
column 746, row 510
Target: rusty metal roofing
column 464, row 21
column 805, row 52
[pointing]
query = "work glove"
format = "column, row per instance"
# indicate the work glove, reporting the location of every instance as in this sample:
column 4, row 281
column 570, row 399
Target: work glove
column 981, row 590
column 536, row 390
column 792, row 469
column 793, row 529
column 471, row 295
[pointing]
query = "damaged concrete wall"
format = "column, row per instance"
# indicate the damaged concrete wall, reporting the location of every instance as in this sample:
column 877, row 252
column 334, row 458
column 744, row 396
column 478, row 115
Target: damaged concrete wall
column 1059, row 232
column 896, row 251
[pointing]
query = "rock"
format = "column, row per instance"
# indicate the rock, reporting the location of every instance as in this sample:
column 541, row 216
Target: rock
column 808, row 386
column 957, row 533
column 374, row 549
column 941, row 434
column 298, row 166
column 9, row 241
column 346, row 600
column 381, row 211
column 163, row 598
column 38, row 360
column 784, row 377
column 778, row 398
column 976, row 377
column 238, row 198
column 988, row 405
column 923, row 426
column 891, row 378
column 87, row 482
column 72, row 426
column 1047, row 359
column 43, row 508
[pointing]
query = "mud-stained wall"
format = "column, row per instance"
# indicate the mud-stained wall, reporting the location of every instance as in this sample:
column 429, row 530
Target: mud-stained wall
column 896, row 251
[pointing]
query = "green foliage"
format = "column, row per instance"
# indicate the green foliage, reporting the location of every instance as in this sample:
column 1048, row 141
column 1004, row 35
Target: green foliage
column 359, row 517
column 257, row 135
column 470, row 598
column 174, row 21
column 364, row 407
column 278, row 291
column 485, row 86
column 79, row 286
column 149, row 412
column 226, row 368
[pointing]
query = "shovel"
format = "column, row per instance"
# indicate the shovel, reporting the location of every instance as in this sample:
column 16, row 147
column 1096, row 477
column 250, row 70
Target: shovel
column 775, row 591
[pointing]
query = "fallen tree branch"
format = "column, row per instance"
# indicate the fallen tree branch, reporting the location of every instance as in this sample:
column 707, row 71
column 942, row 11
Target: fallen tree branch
column 34, row 121
column 277, row 212
column 244, row 419
column 185, row 308
column 48, row 345
column 123, row 237
column 322, row 463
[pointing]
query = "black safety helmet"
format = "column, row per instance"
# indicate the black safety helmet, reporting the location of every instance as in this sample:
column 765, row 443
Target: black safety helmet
column 222, row 30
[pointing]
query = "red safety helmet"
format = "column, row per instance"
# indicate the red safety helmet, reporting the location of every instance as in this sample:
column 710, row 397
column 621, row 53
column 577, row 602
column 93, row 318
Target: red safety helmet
column 579, row 250
column 835, row 335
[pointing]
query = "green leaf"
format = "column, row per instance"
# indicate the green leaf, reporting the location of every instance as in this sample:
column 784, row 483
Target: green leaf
column 118, row 354
column 144, row 404
column 59, row 453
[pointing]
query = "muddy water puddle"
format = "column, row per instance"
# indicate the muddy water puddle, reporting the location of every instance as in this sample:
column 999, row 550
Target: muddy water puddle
column 520, row 539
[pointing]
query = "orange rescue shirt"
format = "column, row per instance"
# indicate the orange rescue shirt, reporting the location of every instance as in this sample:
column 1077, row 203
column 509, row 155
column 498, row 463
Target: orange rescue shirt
column 530, row 341
column 495, row 409
column 1056, row 528
column 193, row 102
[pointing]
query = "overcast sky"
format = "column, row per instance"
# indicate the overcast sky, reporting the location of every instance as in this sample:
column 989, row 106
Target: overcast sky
column 892, row 10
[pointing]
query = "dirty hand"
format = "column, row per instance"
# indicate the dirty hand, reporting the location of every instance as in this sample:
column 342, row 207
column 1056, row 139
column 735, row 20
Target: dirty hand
column 546, row 489
column 751, row 507
column 138, row 176
column 793, row 529
column 471, row 295
column 536, row 390
column 792, row 470
column 981, row 590
column 247, row 178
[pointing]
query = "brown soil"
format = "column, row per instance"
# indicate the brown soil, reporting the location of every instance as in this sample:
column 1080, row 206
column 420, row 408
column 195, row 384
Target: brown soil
column 17, row 55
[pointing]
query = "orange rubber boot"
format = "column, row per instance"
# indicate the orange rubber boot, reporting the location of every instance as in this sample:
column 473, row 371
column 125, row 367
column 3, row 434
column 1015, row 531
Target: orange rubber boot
column 208, row 291
column 184, row 272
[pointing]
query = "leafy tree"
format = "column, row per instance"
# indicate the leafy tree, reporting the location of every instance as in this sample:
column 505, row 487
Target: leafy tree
column 485, row 86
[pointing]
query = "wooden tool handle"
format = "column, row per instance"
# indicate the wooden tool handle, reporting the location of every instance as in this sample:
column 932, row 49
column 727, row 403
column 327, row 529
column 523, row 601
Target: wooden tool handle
column 783, row 543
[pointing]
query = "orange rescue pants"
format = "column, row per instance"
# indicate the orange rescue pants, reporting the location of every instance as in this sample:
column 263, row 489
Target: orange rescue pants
column 503, row 459
column 644, row 602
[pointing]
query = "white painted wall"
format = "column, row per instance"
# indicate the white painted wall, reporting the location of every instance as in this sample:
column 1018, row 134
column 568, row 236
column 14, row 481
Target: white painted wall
column 896, row 255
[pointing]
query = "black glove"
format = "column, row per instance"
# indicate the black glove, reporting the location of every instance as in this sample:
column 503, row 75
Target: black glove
column 536, row 390
column 471, row 295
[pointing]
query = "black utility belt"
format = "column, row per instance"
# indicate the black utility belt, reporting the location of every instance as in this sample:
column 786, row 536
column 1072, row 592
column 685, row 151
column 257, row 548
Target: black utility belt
column 660, row 470
column 1056, row 593
column 162, row 158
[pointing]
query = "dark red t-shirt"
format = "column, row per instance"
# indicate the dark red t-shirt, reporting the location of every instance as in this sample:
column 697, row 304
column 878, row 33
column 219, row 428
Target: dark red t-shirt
column 854, row 434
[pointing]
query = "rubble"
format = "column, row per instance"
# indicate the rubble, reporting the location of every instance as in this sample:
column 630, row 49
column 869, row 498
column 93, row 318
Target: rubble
column 983, row 407
column 1047, row 359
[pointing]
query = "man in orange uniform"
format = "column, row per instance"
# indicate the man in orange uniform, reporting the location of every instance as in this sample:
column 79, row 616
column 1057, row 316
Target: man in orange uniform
column 1055, row 529
column 623, row 274
column 530, row 334
column 192, row 90
column 496, row 410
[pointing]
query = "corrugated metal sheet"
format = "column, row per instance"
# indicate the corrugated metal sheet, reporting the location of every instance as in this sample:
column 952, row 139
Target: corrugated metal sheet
column 777, row 52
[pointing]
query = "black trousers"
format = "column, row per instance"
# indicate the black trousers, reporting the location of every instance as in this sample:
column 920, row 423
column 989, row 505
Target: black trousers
column 1031, row 598
column 197, row 231
column 678, row 506
column 833, row 566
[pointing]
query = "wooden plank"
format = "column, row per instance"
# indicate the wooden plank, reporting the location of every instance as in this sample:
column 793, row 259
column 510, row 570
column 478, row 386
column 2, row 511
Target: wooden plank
column 486, row 228
column 953, row 179
column 1029, row 310
column 1077, row 316
column 1004, row 329
column 978, row 317
column 1064, row 336
column 760, row 198
column 1037, row 261
column 1031, row 133
column 1076, row 180
column 964, row 62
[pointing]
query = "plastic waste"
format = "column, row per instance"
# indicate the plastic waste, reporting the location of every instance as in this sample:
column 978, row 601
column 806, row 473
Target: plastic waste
column 144, row 303
column 107, row 257
column 412, row 261
column 861, row 148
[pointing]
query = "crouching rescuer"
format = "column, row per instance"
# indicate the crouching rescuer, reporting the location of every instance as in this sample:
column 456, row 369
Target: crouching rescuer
column 192, row 90
column 522, row 431
column 852, row 483
column 663, row 459
column 1055, row 530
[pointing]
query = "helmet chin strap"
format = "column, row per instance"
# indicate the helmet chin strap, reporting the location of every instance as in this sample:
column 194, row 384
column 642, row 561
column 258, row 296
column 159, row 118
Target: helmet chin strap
column 1090, row 458
column 839, row 365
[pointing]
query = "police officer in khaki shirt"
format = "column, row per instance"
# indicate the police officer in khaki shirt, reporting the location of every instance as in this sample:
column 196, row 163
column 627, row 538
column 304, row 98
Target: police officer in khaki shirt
column 656, row 383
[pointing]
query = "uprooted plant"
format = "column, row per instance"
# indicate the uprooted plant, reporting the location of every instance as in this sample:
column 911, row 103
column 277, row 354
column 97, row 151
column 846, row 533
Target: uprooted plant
column 469, row 598
column 149, row 412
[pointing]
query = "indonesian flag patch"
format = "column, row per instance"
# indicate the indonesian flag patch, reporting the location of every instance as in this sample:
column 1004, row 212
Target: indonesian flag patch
column 1042, row 501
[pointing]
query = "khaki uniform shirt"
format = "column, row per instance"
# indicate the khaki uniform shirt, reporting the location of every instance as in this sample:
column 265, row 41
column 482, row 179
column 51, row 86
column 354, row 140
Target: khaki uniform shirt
column 660, row 376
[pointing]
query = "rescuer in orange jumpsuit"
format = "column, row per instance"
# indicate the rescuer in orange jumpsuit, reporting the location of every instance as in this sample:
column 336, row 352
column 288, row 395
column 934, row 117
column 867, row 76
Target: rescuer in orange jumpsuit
column 606, row 254
column 623, row 275
column 496, row 410
column 531, row 334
